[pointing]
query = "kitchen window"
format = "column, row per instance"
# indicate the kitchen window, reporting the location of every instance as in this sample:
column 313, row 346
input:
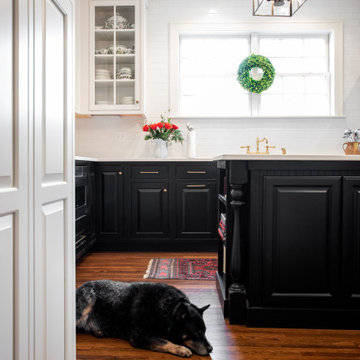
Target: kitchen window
column 207, row 71
column 302, row 84
column 307, row 59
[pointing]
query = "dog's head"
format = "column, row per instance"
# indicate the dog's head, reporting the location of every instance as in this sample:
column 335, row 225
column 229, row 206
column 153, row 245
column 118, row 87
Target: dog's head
column 188, row 328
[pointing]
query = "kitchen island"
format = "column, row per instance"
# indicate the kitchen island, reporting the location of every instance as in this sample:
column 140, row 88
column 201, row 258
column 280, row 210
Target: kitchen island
column 290, row 256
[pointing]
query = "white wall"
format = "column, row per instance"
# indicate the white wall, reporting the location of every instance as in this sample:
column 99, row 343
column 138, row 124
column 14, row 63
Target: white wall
column 121, row 137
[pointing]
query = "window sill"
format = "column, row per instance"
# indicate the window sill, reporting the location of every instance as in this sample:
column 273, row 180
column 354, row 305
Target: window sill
column 229, row 117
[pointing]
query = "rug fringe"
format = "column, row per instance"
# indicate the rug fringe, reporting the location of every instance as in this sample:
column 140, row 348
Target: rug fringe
column 147, row 273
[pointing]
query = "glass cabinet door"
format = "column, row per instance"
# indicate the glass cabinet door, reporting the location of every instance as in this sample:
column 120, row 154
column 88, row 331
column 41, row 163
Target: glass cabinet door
column 125, row 55
column 115, row 62
column 104, row 60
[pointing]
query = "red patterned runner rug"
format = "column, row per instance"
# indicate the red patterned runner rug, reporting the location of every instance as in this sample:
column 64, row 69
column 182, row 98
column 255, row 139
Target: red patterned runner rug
column 183, row 269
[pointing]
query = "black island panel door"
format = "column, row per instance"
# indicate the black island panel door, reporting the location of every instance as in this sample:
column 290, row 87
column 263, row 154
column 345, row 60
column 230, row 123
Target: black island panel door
column 149, row 210
column 351, row 241
column 110, row 201
column 196, row 205
column 301, row 240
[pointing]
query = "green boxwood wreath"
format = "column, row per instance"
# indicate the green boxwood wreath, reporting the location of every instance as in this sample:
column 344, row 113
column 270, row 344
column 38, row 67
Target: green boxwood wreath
column 247, row 82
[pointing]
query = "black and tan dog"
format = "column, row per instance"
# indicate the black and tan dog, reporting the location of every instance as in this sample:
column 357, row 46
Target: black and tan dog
column 151, row 316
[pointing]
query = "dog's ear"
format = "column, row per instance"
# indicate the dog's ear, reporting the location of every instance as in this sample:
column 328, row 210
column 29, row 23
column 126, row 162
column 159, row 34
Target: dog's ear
column 204, row 308
column 181, row 311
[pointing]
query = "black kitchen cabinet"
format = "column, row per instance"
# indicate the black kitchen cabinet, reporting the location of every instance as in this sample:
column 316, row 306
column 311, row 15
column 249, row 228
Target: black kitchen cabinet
column 295, row 228
column 149, row 210
column 110, row 204
column 195, row 209
column 351, row 241
column 155, row 206
column 301, row 240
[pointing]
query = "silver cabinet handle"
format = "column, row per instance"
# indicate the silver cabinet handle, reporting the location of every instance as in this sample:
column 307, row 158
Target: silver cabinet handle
column 82, row 238
column 196, row 186
column 196, row 172
column 149, row 172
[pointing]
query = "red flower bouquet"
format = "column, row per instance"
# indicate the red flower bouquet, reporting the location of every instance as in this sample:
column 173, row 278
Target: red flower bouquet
column 163, row 130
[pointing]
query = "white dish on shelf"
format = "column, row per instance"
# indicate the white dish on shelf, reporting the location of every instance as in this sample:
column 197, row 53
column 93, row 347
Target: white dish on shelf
column 103, row 102
column 127, row 100
column 117, row 22
column 102, row 74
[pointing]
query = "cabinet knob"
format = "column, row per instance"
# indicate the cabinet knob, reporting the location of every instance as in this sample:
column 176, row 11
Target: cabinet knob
column 137, row 101
column 120, row 173
column 165, row 190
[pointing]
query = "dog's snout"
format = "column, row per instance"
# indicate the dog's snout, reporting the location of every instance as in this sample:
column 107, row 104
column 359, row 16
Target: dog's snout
column 209, row 348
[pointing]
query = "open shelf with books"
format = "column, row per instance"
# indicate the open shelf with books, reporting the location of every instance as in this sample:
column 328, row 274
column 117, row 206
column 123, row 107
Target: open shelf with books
column 223, row 279
column 222, row 198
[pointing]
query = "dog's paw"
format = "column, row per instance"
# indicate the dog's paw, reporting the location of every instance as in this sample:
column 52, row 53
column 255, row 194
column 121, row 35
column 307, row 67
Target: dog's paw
column 183, row 352
column 99, row 333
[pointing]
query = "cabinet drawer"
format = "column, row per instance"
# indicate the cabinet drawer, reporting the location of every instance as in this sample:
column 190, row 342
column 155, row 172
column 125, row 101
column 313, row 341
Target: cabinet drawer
column 196, row 171
column 150, row 172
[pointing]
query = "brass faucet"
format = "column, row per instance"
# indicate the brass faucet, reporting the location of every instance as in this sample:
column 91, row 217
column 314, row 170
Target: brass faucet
column 258, row 152
column 258, row 141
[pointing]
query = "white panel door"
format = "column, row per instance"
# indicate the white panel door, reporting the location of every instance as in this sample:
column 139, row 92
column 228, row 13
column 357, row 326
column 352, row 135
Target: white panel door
column 53, row 181
column 15, row 253
column 7, row 285
column 36, row 181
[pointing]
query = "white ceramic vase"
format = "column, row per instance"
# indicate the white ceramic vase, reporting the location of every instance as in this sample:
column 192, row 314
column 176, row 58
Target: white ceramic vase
column 160, row 150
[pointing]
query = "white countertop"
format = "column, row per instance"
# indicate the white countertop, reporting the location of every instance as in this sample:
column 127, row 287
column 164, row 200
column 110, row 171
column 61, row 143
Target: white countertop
column 84, row 158
column 231, row 157
column 168, row 159
column 289, row 157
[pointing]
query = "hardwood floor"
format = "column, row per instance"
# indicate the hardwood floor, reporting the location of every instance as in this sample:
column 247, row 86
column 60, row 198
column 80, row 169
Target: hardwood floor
column 230, row 342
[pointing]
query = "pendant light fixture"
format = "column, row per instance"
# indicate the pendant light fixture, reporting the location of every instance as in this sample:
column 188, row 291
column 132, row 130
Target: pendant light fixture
column 280, row 8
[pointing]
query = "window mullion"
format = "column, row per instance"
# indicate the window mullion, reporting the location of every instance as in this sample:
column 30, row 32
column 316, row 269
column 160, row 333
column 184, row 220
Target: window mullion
column 255, row 99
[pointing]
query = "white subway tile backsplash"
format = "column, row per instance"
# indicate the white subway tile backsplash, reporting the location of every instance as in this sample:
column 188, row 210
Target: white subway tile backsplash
column 109, row 137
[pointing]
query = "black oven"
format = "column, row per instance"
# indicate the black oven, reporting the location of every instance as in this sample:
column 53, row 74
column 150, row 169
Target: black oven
column 84, row 174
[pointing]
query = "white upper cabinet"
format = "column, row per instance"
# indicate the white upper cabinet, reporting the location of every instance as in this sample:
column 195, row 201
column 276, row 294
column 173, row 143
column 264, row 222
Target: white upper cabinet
column 110, row 62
